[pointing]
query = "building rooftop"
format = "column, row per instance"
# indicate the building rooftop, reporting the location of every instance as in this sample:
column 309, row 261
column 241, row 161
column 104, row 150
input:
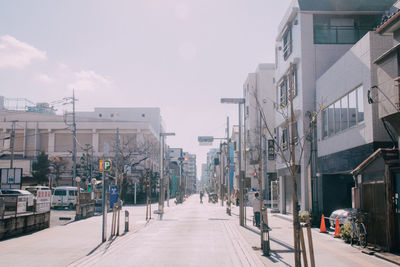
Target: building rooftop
column 345, row 5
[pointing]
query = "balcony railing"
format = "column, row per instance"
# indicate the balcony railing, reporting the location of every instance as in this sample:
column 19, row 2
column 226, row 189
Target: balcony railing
column 338, row 34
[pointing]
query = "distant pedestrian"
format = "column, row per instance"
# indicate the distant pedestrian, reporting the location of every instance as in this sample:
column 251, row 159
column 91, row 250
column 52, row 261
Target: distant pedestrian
column 256, row 209
column 237, row 198
column 201, row 197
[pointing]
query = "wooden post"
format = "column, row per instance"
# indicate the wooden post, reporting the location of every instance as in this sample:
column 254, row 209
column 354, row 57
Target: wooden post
column 303, row 247
column 310, row 242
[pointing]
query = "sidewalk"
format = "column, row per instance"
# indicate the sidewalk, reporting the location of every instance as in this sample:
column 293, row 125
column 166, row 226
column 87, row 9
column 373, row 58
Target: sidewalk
column 62, row 245
column 328, row 251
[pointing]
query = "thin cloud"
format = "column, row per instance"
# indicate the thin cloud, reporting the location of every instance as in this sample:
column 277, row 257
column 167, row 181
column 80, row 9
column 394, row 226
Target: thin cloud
column 17, row 54
column 88, row 80
column 43, row 78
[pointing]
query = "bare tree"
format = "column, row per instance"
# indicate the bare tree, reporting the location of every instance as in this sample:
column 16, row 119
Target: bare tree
column 291, row 152
column 58, row 166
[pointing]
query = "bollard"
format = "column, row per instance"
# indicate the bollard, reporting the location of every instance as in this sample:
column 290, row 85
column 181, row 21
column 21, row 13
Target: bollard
column 126, row 221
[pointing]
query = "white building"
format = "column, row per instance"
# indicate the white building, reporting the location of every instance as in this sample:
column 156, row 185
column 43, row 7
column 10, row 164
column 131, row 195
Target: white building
column 349, row 129
column 36, row 132
column 312, row 36
column 259, row 93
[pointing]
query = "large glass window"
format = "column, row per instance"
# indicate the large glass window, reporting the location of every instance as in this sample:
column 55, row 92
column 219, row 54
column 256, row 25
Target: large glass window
column 331, row 120
column 344, row 118
column 325, row 123
column 344, row 113
column 360, row 104
column 352, row 109
column 342, row 29
column 336, row 108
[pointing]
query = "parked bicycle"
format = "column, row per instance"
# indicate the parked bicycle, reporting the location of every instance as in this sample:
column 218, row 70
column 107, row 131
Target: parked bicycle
column 358, row 232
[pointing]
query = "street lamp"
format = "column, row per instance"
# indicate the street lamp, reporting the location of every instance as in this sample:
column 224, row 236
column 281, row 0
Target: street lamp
column 161, row 201
column 240, row 102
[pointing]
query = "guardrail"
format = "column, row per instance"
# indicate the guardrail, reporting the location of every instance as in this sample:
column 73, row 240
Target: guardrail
column 20, row 205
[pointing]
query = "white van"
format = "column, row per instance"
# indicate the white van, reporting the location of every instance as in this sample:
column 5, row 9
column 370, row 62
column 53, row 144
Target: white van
column 64, row 196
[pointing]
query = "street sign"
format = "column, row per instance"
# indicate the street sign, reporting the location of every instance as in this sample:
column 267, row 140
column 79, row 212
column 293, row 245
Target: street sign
column 205, row 139
column 10, row 178
column 113, row 195
column 105, row 165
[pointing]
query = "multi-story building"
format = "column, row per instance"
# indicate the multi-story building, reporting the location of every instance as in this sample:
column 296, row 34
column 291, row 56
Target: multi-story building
column 259, row 94
column 349, row 129
column 190, row 172
column 311, row 37
column 212, row 183
column 95, row 135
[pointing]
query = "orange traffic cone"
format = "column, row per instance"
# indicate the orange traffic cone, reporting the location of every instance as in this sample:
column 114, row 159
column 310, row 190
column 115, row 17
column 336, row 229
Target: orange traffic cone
column 337, row 227
column 322, row 229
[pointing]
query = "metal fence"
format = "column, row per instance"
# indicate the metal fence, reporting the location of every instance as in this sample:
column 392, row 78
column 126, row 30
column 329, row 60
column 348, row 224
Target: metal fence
column 20, row 205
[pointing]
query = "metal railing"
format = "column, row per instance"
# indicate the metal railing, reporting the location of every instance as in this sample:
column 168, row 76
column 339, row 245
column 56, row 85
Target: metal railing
column 17, row 205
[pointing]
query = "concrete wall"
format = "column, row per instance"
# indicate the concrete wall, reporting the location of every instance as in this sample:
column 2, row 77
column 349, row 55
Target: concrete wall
column 352, row 70
column 23, row 224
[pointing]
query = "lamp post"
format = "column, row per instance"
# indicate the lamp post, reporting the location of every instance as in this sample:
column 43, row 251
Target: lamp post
column 240, row 102
column 161, row 201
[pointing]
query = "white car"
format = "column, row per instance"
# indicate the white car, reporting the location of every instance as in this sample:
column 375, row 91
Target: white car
column 65, row 197
column 25, row 195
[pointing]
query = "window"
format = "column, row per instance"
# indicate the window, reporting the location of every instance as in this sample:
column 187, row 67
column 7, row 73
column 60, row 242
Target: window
column 352, row 109
column 287, row 43
column 331, row 120
column 360, row 104
column 342, row 29
column 72, row 193
column 284, row 86
column 346, row 112
column 60, row 193
column 295, row 82
column 296, row 132
column 285, row 137
column 336, row 108
column 283, row 91
column 325, row 123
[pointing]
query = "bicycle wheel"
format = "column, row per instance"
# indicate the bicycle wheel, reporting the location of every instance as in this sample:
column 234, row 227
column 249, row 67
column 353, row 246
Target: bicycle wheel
column 353, row 234
column 362, row 235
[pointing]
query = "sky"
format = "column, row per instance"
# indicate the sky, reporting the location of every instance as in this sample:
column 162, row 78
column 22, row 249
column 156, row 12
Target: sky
column 179, row 55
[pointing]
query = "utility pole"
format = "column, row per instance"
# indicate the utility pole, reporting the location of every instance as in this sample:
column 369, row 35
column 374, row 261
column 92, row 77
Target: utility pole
column 241, row 178
column 228, row 158
column 104, row 206
column 12, row 144
column 162, row 189
column 74, row 137
column 296, row 223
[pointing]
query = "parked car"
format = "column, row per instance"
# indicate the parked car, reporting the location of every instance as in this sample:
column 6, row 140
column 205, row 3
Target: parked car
column 28, row 195
column 34, row 189
column 64, row 197
column 343, row 215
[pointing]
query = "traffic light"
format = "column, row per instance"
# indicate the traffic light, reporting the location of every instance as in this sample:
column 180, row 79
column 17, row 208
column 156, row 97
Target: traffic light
column 255, row 174
column 216, row 161
column 89, row 188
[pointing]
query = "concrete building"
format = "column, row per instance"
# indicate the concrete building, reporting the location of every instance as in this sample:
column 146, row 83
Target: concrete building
column 212, row 183
column 259, row 93
column 36, row 132
column 349, row 129
column 190, row 172
column 312, row 36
